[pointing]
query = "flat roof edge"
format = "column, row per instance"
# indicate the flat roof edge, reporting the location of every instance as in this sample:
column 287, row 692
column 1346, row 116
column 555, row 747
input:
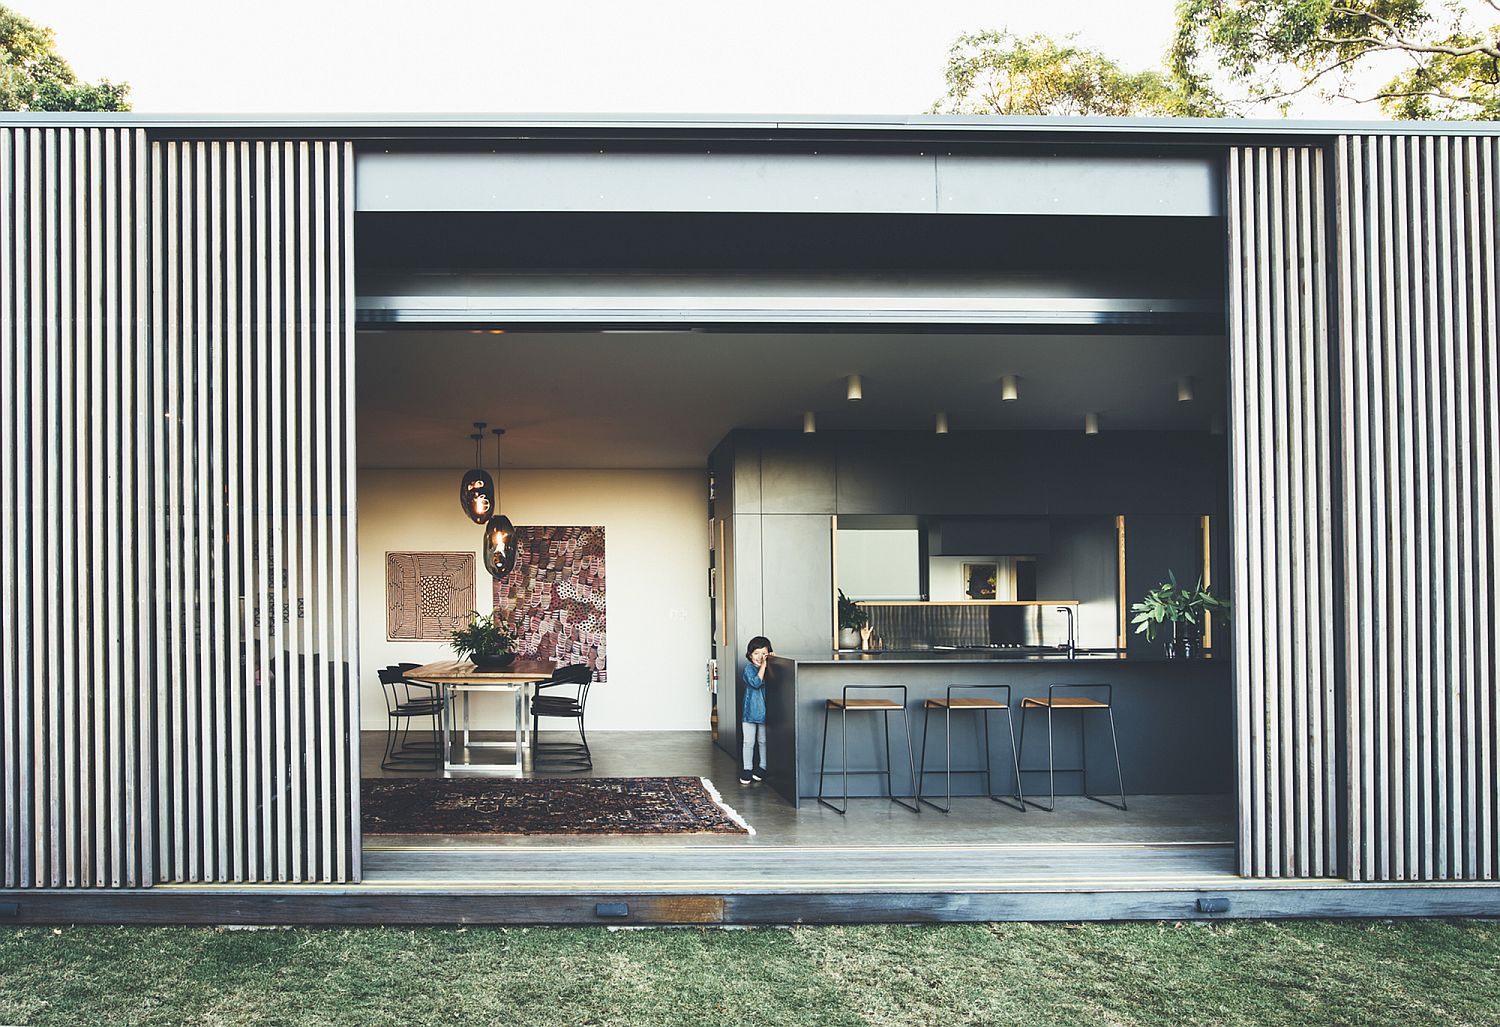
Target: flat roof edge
column 469, row 125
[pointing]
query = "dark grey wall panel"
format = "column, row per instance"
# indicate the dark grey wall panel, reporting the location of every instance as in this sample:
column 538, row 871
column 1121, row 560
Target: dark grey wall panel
column 177, row 340
column 797, row 583
column 1417, row 239
column 1281, row 389
column 797, row 479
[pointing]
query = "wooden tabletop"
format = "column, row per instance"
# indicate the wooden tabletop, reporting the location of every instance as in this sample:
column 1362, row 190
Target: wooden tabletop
column 462, row 672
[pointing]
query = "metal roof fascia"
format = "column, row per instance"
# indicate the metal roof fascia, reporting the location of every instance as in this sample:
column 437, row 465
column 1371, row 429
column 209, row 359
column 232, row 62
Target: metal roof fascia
column 1087, row 129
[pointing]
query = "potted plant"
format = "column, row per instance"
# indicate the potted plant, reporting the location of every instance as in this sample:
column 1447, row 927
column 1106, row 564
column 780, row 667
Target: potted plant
column 1183, row 611
column 485, row 641
column 852, row 620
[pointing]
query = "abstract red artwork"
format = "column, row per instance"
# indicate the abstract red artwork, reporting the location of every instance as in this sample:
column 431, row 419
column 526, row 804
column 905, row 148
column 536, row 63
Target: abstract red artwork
column 553, row 598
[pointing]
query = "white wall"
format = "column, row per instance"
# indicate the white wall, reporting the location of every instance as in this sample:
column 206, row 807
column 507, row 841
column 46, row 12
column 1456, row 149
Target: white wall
column 945, row 576
column 880, row 563
column 656, row 576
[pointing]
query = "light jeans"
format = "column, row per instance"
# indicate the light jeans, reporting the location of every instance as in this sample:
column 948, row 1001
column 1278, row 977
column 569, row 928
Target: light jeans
column 752, row 733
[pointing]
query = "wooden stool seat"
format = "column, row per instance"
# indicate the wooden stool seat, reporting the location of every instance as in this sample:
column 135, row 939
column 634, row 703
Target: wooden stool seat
column 864, row 704
column 1063, row 702
column 966, row 704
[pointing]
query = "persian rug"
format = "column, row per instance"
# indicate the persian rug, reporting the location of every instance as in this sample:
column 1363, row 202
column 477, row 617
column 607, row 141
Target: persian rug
column 522, row 806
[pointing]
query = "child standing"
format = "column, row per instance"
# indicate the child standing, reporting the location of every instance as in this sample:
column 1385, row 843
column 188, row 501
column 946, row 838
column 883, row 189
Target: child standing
column 753, row 713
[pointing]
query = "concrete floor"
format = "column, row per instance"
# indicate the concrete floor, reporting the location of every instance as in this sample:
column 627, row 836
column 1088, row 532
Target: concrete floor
column 1151, row 819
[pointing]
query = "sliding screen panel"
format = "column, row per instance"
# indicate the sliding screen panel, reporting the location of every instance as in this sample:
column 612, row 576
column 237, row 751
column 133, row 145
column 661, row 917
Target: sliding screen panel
column 177, row 571
column 1416, row 242
column 77, row 625
column 252, row 291
column 1283, row 490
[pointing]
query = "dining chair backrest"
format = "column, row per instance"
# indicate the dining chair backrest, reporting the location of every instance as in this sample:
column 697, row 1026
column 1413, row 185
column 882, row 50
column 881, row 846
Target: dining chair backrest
column 391, row 681
column 572, row 674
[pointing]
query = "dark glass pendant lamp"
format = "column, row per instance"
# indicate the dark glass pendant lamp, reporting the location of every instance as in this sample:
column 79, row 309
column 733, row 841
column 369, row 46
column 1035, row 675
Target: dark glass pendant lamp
column 476, row 493
column 499, row 533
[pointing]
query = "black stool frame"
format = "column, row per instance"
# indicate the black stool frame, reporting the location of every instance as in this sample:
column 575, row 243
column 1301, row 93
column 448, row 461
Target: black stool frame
column 948, row 771
column 1083, row 747
column 845, row 771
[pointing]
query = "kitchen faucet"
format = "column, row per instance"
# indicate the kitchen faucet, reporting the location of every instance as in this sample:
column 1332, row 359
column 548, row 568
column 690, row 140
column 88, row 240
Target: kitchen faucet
column 1072, row 646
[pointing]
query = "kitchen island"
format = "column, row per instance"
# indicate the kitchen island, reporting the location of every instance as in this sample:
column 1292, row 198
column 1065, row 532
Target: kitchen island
column 1173, row 718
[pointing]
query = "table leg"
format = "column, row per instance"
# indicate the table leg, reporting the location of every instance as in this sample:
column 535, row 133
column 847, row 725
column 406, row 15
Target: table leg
column 466, row 725
column 446, row 695
column 516, row 734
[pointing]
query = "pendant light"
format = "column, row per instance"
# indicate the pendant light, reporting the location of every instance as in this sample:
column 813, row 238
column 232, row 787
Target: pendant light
column 499, row 533
column 854, row 388
column 476, row 492
column 1010, row 388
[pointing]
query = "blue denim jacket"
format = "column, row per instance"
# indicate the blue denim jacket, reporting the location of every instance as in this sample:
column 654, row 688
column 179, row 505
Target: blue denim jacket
column 754, row 710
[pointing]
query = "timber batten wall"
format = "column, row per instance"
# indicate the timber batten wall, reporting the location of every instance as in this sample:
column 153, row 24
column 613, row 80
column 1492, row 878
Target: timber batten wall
column 179, row 700
column 1280, row 397
column 1417, row 240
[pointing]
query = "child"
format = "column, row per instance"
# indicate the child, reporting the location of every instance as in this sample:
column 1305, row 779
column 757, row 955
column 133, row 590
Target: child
column 753, row 713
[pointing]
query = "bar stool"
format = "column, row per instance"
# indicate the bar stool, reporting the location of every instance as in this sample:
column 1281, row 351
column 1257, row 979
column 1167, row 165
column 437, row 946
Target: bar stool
column 983, row 705
column 868, row 705
column 1082, row 704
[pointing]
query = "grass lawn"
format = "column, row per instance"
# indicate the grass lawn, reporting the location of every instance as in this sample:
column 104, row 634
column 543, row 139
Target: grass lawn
column 1408, row 972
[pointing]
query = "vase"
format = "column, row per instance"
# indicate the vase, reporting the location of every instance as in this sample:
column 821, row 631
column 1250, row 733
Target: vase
column 1183, row 642
column 849, row 638
column 486, row 662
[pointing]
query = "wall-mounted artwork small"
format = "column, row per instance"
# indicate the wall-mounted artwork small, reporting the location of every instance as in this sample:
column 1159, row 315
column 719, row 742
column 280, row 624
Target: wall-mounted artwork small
column 980, row 580
column 553, row 598
column 427, row 595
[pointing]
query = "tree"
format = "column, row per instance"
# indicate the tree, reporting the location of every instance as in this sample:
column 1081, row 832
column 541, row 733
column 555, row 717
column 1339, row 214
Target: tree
column 997, row 72
column 1414, row 58
column 34, row 77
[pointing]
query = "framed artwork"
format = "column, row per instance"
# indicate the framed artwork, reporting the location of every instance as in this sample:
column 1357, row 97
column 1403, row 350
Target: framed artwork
column 553, row 599
column 980, row 579
column 427, row 595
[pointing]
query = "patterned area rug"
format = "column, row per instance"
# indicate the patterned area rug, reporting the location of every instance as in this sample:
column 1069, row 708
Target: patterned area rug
column 597, row 805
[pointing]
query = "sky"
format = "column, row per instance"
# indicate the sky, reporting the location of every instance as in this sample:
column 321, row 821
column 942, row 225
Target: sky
column 560, row 56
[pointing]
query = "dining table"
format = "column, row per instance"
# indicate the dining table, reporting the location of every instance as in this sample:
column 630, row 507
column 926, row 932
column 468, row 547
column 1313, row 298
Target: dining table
column 455, row 681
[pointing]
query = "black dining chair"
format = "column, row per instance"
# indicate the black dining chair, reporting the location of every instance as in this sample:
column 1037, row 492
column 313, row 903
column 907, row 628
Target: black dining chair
column 400, row 711
column 419, row 691
column 566, row 756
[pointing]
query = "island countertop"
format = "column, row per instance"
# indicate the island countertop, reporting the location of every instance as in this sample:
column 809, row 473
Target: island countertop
column 970, row 656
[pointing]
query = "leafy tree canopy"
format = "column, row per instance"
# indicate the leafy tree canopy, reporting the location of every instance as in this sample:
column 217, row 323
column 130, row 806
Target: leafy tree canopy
column 34, row 77
column 997, row 72
column 1414, row 58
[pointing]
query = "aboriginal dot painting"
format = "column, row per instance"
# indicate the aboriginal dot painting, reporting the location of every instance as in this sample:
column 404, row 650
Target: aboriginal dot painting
column 554, row 597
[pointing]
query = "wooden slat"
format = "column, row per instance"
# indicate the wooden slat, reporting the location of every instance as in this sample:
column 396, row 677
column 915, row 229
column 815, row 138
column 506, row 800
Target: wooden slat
column 1281, row 482
column 11, row 587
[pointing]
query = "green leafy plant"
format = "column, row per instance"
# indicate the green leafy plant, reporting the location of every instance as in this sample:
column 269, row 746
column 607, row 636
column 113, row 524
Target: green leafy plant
column 483, row 636
column 851, row 615
column 1170, row 603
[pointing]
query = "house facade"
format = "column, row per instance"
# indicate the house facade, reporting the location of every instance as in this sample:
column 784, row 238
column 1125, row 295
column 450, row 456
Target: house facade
column 182, row 299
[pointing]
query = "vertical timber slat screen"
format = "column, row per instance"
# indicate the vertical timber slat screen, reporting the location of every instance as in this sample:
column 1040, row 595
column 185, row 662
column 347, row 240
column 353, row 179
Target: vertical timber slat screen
column 1282, row 473
column 179, row 694
column 1417, row 241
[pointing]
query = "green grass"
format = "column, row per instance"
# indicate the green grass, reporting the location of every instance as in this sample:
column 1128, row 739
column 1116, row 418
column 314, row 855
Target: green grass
column 1408, row 973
